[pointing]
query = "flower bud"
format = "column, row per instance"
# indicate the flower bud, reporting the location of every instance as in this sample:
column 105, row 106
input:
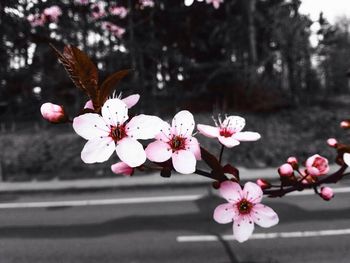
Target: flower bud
column 263, row 183
column 293, row 161
column 345, row 124
column 326, row 193
column 122, row 168
column 286, row 170
column 53, row 113
column 317, row 165
column 332, row 142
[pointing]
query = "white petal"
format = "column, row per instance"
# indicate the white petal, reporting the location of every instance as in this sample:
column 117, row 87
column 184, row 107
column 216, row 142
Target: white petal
column 264, row 216
column 234, row 123
column 193, row 145
column 209, row 131
column 183, row 123
column 98, row 150
column 243, row 228
column 231, row 191
column 90, row 125
column 131, row 152
column 252, row 192
column 114, row 112
column 228, row 141
column 225, row 213
column 131, row 100
column 144, row 127
column 247, row 136
column 158, row 151
column 184, row 162
column 164, row 132
column 346, row 158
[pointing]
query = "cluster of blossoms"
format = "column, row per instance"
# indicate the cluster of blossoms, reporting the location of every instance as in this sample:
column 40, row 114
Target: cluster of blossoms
column 49, row 15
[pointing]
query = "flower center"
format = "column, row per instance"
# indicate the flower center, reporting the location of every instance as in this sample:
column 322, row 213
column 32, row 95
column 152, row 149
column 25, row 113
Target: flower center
column 177, row 143
column 319, row 163
column 117, row 132
column 226, row 132
column 244, row 206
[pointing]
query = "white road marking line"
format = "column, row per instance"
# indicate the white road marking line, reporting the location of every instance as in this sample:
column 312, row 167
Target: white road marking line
column 299, row 234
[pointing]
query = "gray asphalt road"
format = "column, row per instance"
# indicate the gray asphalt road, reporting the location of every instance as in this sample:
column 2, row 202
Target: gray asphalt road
column 148, row 232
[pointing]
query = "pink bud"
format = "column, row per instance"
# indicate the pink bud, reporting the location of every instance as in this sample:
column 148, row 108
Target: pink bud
column 286, row 170
column 292, row 160
column 317, row 165
column 53, row 113
column 326, row 193
column 122, row 168
column 332, row 142
column 263, row 183
column 345, row 124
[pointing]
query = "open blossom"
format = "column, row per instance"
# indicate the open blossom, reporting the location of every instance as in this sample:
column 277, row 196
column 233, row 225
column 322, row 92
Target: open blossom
column 130, row 101
column 113, row 132
column 122, row 168
column 317, row 165
column 244, row 209
column 176, row 142
column 215, row 3
column 120, row 11
column 52, row 13
column 53, row 113
column 98, row 10
column 229, row 131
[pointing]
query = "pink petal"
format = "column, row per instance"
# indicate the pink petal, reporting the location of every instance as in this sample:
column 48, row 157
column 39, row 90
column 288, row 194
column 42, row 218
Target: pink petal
column 122, row 168
column 228, row 141
column 209, row 131
column 235, row 123
column 264, row 216
column 131, row 100
column 313, row 171
column 193, row 146
column 224, row 213
column 346, row 158
column 231, row 191
column 144, row 127
column 247, row 136
column 252, row 192
column 158, row 151
column 184, row 162
column 114, row 112
column 183, row 123
column 90, row 125
column 98, row 150
column 164, row 132
column 89, row 105
column 131, row 152
column 243, row 228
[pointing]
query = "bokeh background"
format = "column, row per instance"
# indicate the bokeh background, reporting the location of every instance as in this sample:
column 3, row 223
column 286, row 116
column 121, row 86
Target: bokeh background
column 283, row 70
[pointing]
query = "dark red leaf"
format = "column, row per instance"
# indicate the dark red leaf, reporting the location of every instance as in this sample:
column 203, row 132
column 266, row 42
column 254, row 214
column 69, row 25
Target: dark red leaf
column 228, row 168
column 213, row 163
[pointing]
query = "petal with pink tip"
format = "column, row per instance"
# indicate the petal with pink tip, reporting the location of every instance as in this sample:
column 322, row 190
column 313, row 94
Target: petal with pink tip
column 193, row 145
column 246, row 136
column 158, row 151
column 252, row 192
column 228, row 141
column 234, row 123
column 90, row 126
column 164, row 132
column 122, row 168
column 231, row 191
column 184, row 162
column 225, row 213
column 114, row 112
column 89, row 105
column 98, row 150
column 346, row 158
column 131, row 152
column 143, row 127
column 131, row 100
column 183, row 123
column 208, row 131
column 264, row 216
column 243, row 228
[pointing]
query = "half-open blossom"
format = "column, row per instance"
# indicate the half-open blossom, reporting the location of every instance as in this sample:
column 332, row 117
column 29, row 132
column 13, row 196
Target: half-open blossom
column 317, row 165
column 229, row 132
column 326, row 193
column 113, row 132
column 130, row 101
column 120, row 11
column 244, row 209
column 122, row 168
column 215, row 3
column 53, row 113
column 52, row 13
column 176, row 142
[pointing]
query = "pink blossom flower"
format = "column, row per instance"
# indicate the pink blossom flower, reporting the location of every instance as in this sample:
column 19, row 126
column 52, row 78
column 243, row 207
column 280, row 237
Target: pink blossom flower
column 113, row 132
column 326, row 193
column 146, row 3
column 317, row 165
column 244, row 209
column 52, row 13
column 130, row 101
column 176, row 142
column 215, row 3
column 120, row 11
column 122, row 168
column 114, row 29
column 53, row 113
column 346, row 158
column 332, row 142
column 36, row 20
column 286, row 170
column 98, row 10
column 263, row 183
column 229, row 131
